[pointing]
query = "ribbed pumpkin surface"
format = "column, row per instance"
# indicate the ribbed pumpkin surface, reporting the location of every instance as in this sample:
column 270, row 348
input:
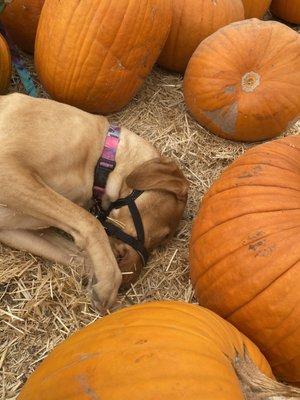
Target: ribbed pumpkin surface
column 95, row 54
column 21, row 18
column 5, row 65
column 192, row 22
column 154, row 351
column 243, row 82
column 256, row 8
column 245, row 251
column 289, row 10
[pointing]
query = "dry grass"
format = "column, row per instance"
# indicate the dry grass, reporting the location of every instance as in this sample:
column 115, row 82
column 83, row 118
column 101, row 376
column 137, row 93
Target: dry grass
column 41, row 303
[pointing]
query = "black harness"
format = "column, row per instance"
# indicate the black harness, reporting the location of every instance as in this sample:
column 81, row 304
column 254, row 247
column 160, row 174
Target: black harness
column 113, row 230
column 103, row 168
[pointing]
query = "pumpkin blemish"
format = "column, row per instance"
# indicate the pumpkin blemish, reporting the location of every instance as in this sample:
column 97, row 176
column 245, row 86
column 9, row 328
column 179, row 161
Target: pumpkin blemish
column 229, row 89
column 225, row 118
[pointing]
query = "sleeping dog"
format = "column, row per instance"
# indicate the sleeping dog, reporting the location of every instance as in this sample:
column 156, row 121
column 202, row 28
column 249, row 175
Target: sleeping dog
column 57, row 163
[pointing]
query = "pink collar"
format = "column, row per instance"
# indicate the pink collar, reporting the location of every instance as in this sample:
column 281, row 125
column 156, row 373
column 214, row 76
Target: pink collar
column 106, row 163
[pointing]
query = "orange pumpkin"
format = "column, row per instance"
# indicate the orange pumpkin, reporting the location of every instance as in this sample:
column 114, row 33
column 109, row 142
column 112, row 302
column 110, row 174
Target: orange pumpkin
column 154, row 351
column 192, row 22
column 242, row 82
column 5, row 65
column 256, row 8
column 289, row 10
column 95, row 55
column 245, row 251
column 21, row 18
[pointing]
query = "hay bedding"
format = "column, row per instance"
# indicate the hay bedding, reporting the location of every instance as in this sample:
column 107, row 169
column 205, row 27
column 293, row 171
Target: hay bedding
column 42, row 303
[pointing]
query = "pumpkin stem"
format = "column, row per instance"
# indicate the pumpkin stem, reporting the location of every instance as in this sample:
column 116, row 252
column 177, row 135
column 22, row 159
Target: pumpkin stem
column 257, row 386
column 250, row 81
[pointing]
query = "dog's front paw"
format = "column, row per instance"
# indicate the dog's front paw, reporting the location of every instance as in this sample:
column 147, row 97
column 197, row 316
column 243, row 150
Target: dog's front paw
column 104, row 293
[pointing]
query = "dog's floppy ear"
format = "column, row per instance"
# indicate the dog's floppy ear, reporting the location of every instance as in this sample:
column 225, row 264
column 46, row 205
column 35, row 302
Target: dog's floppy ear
column 159, row 174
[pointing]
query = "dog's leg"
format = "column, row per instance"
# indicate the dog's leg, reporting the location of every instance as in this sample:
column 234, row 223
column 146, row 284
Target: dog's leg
column 37, row 243
column 63, row 243
column 67, row 245
column 32, row 197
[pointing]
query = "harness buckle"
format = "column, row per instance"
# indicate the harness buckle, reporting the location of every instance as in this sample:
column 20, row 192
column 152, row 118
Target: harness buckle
column 98, row 212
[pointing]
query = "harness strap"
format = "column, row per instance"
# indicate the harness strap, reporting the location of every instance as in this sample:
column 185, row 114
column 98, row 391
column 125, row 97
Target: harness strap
column 130, row 202
column 125, row 200
column 118, row 233
column 138, row 224
column 112, row 230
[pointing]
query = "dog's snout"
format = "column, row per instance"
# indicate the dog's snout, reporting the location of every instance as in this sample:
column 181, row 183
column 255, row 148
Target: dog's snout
column 122, row 252
column 129, row 263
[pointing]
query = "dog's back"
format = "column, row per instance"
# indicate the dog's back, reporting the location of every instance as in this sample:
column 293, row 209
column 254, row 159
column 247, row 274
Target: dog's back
column 44, row 132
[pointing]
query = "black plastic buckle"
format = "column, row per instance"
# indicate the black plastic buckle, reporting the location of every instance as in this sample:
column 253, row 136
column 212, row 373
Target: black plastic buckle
column 98, row 212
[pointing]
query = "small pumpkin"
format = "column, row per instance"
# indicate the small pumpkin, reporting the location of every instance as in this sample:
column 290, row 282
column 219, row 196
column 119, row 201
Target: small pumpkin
column 95, row 55
column 256, row 8
column 161, row 350
column 289, row 10
column 5, row 65
column 245, row 251
column 242, row 83
column 20, row 19
column 192, row 22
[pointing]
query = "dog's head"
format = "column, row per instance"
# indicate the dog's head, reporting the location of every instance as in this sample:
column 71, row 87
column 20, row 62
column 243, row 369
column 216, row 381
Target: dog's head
column 161, row 206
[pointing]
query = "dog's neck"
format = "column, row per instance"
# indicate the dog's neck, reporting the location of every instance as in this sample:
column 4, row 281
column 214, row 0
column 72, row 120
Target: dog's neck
column 132, row 151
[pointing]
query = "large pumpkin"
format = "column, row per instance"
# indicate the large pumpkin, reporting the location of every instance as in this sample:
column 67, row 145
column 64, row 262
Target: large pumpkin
column 256, row 8
column 5, row 65
column 154, row 351
column 95, row 54
column 245, row 251
column 242, row 82
column 192, row 22
column 289, row 10
column 20, row 19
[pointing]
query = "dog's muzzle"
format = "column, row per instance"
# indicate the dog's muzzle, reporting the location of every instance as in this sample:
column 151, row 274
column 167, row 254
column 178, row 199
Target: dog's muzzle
column 138, row 242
